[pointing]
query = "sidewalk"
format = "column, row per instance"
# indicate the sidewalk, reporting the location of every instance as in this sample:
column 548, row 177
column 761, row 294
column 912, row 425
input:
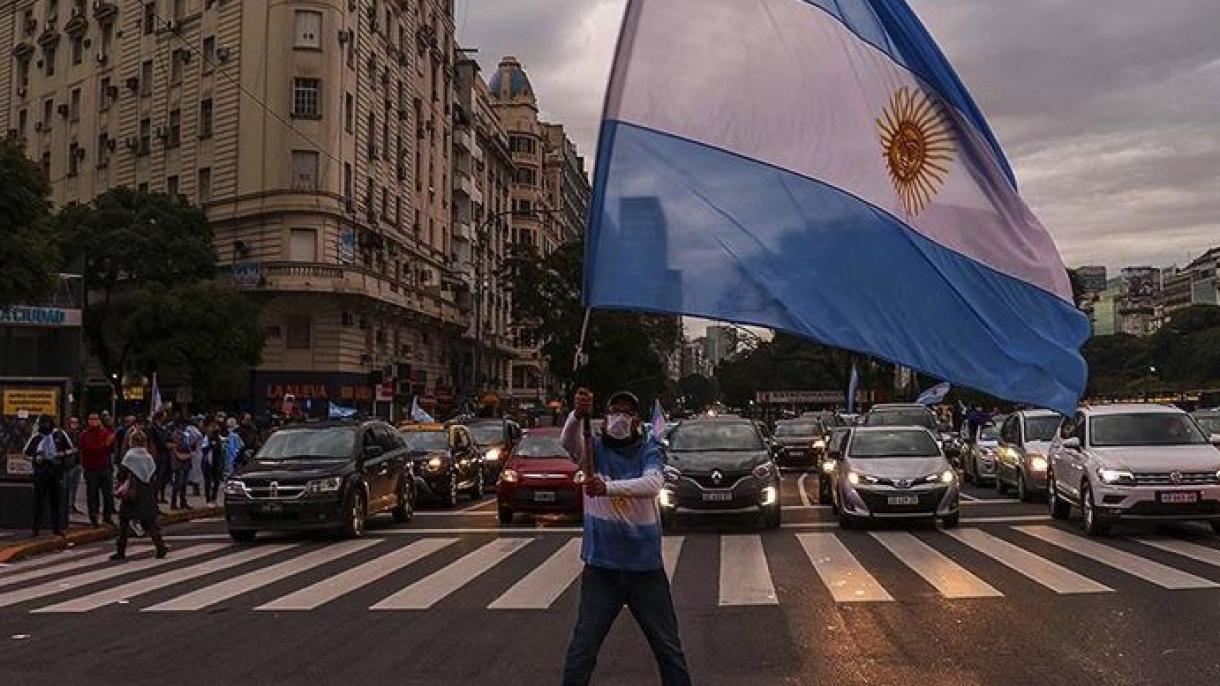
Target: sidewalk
column 17, row 544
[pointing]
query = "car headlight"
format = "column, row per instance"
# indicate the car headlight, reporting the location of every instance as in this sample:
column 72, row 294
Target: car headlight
column 577, row 478
column 509, row 476
column 235, row 487
column 1038, row 463
column 762, row 471
column 828, row 467
column 819, row 444
column 853, row 478
column 492, row 455
column 329, row 485
column 435, row 464
column 769, row 495
column 1115, row 476
column 666, row 497
column 947, row 476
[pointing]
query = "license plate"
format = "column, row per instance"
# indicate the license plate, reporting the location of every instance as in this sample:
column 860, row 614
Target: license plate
column 717, row 497
column 1179, row 497
column 273, row 508
column 903, row 500
column 544, row 496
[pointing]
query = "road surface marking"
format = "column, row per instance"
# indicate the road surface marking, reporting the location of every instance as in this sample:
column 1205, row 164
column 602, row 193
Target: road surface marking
column 117, row 569
column 231, row 588
column 841, row 572
column 1193, row 551
column 1005, row 519
column 1055, row 577
column 10, row 569
column 800, row 487
column 458, row 513
column 1148, row 570
column 671, row 549
column 948, row 577
column 481, row 504
column 433, row 588
column 745, row 578
column 543, row 586
column 990, row 501
column 359, row 576
column 139, row 587
column 473, row 530
column 967, row 497
column 44, row 569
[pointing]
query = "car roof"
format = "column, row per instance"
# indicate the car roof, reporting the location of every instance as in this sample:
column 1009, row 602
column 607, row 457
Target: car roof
column 331, row 424
column 1037, row 413
column 1207, row 413
column 1129, row 408
column 898, row 406
column 879, row 429
column 545, row 431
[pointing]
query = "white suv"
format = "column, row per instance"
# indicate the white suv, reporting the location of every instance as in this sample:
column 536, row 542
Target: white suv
column 1134, row 462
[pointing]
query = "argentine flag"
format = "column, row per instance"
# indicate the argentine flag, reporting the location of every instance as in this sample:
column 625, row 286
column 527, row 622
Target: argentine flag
column 816, row 167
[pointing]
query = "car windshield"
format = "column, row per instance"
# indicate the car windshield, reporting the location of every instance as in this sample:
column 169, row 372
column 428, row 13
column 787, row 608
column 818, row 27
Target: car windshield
column 805, row 429
column 900, row 418
column 426, row 441
column 872, row 444
column 309, row 444
column 1041, row 428
column 715, row 436
column 1145, row 429
column 540, row 446
column 989, row 433
column 488, row 434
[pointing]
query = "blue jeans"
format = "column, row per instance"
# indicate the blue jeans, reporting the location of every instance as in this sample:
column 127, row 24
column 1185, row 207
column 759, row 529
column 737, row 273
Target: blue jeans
column 603, row 592
column 182, row 474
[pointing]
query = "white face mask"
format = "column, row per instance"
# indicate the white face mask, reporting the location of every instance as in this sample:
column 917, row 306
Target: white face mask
column 618, row 426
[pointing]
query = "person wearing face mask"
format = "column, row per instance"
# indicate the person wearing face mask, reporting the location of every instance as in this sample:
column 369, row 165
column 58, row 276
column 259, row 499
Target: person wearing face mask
column 96, row 443
column 49, row 449
column 621, row 548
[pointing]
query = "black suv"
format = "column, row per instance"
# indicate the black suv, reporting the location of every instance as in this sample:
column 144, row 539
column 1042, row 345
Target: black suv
column 496, row 438
column 325, row 476
column 720, row 465
column 446, row 461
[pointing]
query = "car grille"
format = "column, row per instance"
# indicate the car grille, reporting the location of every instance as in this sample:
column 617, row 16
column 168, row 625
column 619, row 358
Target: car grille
column 262, row 489
column 929, row 501
column 1154, row 509
column 728, row 480
column 563, row 498
column 1184, row 479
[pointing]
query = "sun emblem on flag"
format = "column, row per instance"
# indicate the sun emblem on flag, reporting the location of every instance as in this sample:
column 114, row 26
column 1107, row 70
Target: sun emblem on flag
column 917, row 144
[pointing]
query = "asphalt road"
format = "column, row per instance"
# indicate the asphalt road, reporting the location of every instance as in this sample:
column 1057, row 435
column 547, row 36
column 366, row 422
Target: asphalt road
column 453, row 598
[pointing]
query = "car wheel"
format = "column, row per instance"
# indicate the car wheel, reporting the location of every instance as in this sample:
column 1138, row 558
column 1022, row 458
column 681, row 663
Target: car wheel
column 771, row 517
column 357, row 514
column 451, row 498
column 242, row 535
column 1215, row 527
column 1000, row 487
column 952, row 520
column 669, row 519
column 506, row 517
column 477, row 492
column 846, row 521
column 1094, row 523
column 404, row 509
column 1023, row 493
column 1060, row 508
column 967, row 472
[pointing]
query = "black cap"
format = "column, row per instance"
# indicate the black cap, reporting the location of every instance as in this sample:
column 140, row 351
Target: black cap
column 624, row 397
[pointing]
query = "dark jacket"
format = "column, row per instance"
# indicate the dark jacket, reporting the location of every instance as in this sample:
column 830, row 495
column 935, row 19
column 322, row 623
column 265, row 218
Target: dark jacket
column 55, row 466
column 144, row 505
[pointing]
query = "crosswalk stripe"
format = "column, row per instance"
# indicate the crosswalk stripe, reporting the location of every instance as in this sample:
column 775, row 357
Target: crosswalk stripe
column 341, row 584
column 433, row 588
column 139, row 587
column 48, row 570
column 1193, row 551
column 541, row 587
column 1148, row 570
column 671, row 549
column 10, row 569
column 846, row 579
column 64, row 585
column 1055, row 577
column 231, row 588
column 948, row 577
column 745, row 578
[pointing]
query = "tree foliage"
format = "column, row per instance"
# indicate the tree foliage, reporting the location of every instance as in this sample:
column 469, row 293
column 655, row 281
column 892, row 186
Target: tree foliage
column 698, row 391
column 789, row 363
column 1183, row 355
column 29, row 248
column 625, row 350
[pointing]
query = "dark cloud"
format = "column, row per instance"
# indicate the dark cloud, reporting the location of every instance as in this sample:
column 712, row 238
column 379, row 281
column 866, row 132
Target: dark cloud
column 1107, row 109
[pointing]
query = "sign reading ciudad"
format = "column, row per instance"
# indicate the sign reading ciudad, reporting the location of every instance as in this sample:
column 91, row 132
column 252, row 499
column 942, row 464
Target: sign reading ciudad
column 798, row 397
column 39, row 316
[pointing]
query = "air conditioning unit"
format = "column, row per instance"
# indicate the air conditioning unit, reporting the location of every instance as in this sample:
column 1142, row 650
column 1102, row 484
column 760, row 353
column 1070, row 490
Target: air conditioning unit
column 101, row 58
column 112, row 91
column 345, row 36
column 75, row 11
column 133, row 84
column 132, row 143
column 50, row 27
column 22, row 91
column 162, row 132
column 111, row 144
column 39, row 127
column 31, row 26
column 80, row 153
column 173, row 26
column 222, row 54
column 62, row 109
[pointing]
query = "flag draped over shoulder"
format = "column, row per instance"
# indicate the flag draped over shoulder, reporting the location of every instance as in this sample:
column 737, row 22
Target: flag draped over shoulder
column 816, row 167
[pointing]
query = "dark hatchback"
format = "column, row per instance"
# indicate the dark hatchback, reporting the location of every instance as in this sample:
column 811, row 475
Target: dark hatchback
column 446, row 461
column 327, row 476
column 803, row 442
column 495, row 437
column 720, row 465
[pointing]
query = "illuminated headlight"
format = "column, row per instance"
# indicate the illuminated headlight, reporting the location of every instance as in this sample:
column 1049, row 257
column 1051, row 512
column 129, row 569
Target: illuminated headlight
column 1115, row 476
column 666, row 497
column 819, row 444
column 947, row 476
column 762, row 471
column 235, row 487
column 828, row 467
column 853, row 478
column 324, row 485
column 577, row 478
column 988, row 452
column 510, row 476
column 435, row 464
column 769, row 495
column 492, row 455
column 1038, row 463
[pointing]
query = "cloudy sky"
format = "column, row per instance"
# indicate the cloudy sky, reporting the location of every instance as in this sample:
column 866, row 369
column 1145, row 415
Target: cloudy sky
column 1108, row 109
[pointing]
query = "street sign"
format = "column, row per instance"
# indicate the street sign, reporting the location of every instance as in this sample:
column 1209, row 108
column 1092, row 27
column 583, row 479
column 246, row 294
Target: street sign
column 36, row 401
column 798, row 397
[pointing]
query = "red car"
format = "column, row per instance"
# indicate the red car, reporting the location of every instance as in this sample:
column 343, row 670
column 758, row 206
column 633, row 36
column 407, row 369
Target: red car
column 539, row 477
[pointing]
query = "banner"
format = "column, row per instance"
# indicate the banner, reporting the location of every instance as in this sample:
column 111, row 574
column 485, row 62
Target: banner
column 35, row 401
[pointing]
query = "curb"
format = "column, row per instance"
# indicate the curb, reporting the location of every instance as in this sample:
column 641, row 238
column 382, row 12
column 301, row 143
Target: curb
column 48, row 544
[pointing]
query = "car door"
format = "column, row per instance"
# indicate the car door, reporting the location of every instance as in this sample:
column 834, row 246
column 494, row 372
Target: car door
column 374, row 468
column 390, row 472
column 1008, row 456
column 1066, row 462
column 459, row 449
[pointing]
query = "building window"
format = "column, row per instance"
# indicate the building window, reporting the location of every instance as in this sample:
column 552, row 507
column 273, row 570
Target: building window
column 175, row 67
column 205, row 118
column 372, row 135
column 179, row 9
column 175, row 129
column 171, row 186
column 78, row 49
column 49, row 61
column 22, row 118
column 204, row 187
column 145, row 144
column 347, row 181
column 150, row 18
column 45, row 165
column 48, row 114
column 103, row 95
column 521, row 144
column 73, row 158
column 525, row 175
column 209, row 54
column 23, row 72
column 107, row 39
column 297, row 332
column 304, row 170
column 74, row 105
column 308, row 30
column 103, row 150
column 303, row 245
column 307, row 98
column 146, row 78
column 349, row 112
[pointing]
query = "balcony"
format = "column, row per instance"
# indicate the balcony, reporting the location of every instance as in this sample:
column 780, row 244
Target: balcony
column 463, row 183
column 462, row 230
column 463, row 140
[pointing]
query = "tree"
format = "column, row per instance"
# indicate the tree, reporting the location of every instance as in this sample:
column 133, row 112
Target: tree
column 699, row 391
column 29, row 248
column 625, row 350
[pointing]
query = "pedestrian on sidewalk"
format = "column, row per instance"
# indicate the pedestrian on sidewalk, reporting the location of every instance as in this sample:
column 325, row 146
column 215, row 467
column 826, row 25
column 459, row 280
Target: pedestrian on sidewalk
column 96, row 444
column 182, row 444
column 248, row 433
column 73, row 466
column 49, row 449
column 214, row 461
column 235, row 451
column 195, row 479
column 621, row 547
column 137, row 495
column 158, row 435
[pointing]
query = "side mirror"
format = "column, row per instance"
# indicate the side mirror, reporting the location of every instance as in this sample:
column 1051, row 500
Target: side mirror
column 372, row 452
column 1072, row 443
column 835, row 455
column 1214, row 439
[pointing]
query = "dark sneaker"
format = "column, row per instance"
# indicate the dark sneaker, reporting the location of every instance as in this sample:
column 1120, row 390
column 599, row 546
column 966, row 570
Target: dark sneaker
column 118, row 558
column 161, row 553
